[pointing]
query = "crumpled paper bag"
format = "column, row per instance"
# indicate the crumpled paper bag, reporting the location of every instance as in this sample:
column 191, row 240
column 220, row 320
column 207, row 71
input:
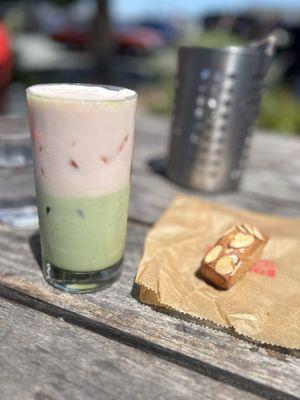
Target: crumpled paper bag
column 264, row 305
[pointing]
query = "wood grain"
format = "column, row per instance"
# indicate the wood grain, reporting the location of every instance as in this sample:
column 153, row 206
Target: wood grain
column 271, row 184
column 115, row 313
column 151, row 194
column 43, row 357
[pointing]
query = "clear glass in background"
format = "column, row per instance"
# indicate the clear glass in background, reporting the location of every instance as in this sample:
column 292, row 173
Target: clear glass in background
column 17, row 202
column 82, row 139
column 15, row 148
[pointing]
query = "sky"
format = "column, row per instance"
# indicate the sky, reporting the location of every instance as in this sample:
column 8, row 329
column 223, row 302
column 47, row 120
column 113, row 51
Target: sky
column 188, row 8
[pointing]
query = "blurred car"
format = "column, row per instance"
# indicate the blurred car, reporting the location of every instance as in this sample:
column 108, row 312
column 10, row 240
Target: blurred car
column 73, row 36
column 70, row 24
column 166, row 29
column 135, row 40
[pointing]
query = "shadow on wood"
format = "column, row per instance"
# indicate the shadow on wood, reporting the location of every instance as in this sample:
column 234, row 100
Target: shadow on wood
column 158, row 166
column 35, row 246
column 277, row 351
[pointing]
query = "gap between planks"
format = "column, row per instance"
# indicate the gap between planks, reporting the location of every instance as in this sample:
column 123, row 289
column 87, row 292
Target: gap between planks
column 53, row 359
column 176, row 357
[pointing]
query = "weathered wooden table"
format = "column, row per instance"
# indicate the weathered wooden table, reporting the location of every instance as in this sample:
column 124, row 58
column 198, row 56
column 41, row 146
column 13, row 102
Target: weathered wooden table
column 109, row 346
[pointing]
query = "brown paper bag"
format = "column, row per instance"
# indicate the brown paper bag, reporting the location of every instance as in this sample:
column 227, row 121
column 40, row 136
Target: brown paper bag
column 264, row 305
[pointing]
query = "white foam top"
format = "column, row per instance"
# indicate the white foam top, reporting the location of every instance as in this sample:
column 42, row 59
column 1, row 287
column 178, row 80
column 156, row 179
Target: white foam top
column 80, row 92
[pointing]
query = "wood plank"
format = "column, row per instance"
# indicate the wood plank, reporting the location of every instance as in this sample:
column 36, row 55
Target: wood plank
column 43, row 357
column 151, row 194
column 17, row 186
column 115, row 313
column 274, row 167
column 181, row 341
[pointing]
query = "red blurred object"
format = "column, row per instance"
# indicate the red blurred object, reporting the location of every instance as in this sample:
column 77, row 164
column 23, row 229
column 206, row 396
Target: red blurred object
column 73, row 37
column 137, row 40
column 6, row 58
column 6, row 61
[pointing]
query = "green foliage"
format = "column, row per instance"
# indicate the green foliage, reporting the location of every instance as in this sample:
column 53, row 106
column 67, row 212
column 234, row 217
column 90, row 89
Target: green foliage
column 214, row 38
column 280, row 111
column 162, row 103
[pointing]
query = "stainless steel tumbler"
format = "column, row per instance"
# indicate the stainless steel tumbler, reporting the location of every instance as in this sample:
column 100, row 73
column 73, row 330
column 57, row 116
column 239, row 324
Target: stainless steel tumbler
column 217, row 99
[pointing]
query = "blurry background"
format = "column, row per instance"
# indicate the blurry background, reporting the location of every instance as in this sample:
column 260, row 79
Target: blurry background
column 133, row 43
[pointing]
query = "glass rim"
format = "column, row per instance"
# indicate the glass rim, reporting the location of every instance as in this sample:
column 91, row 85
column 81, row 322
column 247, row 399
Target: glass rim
column 131, row 96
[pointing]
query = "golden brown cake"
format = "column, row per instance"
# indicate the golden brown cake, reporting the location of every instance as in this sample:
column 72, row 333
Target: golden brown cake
column 233, row 255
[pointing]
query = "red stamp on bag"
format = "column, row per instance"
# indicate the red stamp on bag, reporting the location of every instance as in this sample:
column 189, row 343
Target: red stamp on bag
column 261, row 267
column 264, row 267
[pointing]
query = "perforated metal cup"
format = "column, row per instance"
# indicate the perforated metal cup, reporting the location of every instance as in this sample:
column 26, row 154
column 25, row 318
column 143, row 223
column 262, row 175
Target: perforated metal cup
column 217, row 99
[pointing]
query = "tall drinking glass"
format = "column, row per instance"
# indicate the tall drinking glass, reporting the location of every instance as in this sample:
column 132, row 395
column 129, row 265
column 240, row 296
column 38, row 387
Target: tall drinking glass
column 82, row 139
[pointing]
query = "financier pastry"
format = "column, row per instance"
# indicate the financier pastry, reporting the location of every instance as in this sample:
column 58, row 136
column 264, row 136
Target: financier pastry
column 233, row 255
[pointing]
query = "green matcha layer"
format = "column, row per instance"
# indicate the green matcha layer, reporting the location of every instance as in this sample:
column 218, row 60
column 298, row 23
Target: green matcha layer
column 83, row 234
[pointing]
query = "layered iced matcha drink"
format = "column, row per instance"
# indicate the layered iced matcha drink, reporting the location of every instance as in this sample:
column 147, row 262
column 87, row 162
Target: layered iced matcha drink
column 82, row 138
